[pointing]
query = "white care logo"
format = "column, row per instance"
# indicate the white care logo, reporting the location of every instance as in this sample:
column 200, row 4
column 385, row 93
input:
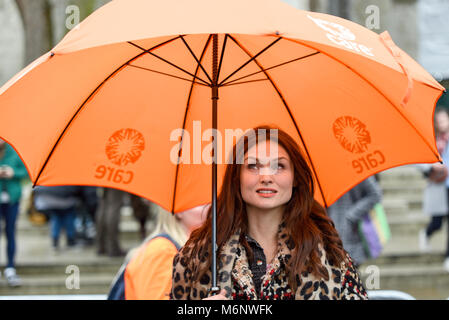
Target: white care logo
column 341, row 36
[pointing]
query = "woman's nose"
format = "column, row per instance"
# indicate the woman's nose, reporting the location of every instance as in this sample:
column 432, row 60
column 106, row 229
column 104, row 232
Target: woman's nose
column 265, row 175
column 267, row 170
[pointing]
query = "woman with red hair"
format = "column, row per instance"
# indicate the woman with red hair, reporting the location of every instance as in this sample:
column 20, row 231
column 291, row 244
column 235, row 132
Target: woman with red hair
column 274, row 240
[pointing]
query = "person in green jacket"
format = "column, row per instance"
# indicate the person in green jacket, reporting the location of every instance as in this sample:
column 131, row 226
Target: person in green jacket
column 12, row 171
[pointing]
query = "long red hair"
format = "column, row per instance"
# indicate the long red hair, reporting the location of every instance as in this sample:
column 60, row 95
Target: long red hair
column 305, row 220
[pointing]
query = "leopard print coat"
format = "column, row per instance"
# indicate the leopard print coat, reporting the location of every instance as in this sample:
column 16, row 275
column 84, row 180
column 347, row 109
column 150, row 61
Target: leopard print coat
column 235, row 276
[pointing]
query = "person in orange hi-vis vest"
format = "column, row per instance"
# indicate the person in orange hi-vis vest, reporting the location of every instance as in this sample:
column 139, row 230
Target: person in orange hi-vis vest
column 148, row 275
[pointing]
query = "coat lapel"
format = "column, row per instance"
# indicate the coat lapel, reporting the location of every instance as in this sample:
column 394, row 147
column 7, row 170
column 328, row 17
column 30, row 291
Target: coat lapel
column 226, row 261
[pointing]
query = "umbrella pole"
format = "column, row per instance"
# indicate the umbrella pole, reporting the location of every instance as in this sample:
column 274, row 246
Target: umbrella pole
column 214, row 288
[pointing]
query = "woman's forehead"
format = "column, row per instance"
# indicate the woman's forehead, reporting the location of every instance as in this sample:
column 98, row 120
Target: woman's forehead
column 268, row 150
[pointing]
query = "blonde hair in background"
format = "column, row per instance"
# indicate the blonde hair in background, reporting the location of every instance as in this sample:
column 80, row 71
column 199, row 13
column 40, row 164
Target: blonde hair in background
column 168, row 223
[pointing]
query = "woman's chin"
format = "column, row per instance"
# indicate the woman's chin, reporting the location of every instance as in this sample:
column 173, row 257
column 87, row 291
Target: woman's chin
column 265, row 205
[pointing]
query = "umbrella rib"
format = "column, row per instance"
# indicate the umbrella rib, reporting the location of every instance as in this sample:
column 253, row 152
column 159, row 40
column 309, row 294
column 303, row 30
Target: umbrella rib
column 222, row 55
column 251, row 58
column 87, row 99
column 170, row 63
column 166, row 74
column 184, row 123
column 290, row 114
column 196, row 59
column 243, row 82
column 278, row 65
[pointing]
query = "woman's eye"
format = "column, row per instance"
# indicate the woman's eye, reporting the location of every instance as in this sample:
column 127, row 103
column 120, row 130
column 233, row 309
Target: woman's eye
column 252, row 166
column 276, row 166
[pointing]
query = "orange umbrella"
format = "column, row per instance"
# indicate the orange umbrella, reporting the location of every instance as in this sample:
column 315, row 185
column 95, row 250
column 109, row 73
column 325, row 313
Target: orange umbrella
column 107, row 105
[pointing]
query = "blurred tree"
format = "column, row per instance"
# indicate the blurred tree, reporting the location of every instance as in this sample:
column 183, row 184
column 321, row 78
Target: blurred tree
column 40, row 23
column 339, row 8
column 318, row 5
column 86, row 7
column 313, row 5
column 36, row 19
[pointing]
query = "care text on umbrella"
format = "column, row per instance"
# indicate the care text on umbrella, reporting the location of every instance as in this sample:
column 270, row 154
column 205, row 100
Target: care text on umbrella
column 124, row 147
column 354, row 137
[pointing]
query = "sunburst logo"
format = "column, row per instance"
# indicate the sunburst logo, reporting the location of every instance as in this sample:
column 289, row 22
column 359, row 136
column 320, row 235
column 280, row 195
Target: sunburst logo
column 352, row 134
column 125, row 146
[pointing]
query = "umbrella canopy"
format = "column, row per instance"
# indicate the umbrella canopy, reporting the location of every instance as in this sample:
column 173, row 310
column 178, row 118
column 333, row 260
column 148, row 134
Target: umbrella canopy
column 108, row 104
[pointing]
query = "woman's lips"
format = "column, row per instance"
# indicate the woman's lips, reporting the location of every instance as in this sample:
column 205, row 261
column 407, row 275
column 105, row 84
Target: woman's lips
column 266, row 193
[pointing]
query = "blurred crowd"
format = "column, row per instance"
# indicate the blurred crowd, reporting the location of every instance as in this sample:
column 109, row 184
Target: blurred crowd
column 77, row 216
column 436, row 193
column 80, row 216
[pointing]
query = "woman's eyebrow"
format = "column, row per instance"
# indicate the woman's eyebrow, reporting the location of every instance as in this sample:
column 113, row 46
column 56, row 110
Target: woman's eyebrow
column 251, row 158
column 280, row 158
column 257, row 160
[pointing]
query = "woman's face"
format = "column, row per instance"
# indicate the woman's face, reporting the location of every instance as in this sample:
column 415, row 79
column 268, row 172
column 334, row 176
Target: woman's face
column 266, row 178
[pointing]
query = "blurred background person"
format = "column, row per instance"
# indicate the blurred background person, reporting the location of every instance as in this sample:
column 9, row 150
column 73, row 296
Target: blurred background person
column 143, row 211
column 12, row 172
column 147, row 271
column 435, row 196
column 108, row 217
column 85, row 227
column 349, row 210
column 60, row 203
column 85, row 220
column 439, row 172
column 108, row 220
